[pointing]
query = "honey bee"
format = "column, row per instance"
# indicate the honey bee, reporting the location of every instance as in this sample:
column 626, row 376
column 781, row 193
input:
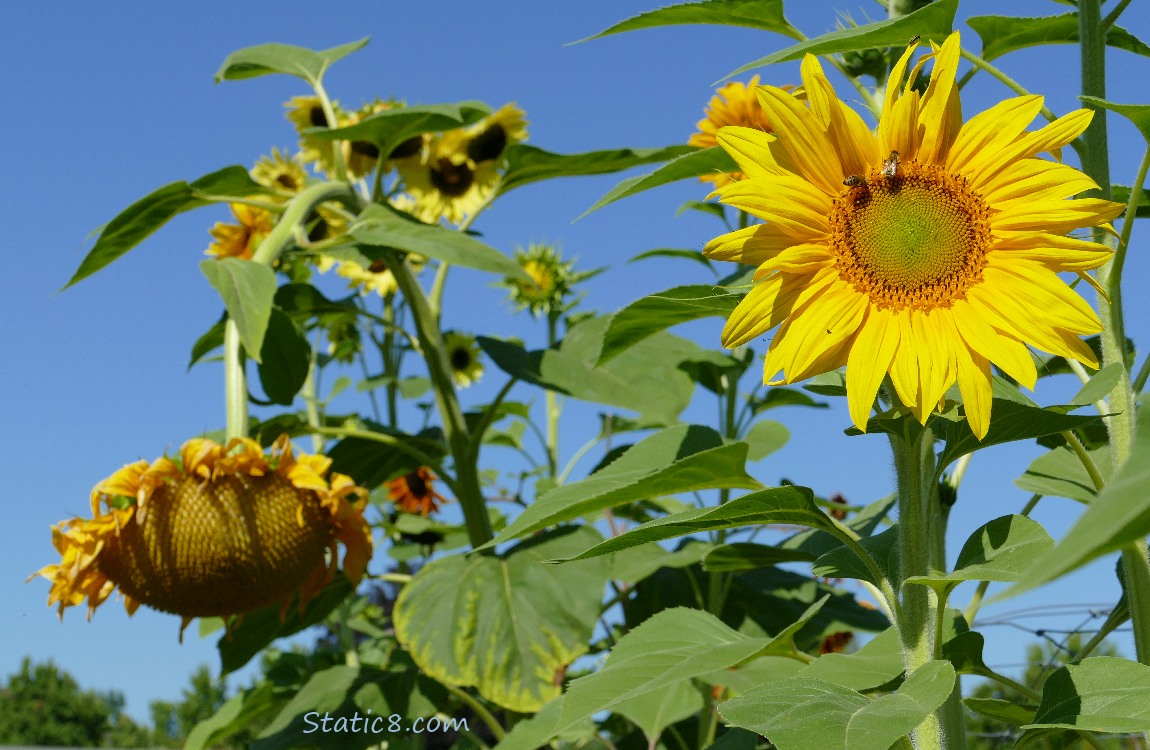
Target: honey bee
column 854, row 181
column 890, row 166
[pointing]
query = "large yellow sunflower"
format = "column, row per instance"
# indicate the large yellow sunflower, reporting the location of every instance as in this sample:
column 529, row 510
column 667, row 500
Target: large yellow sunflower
column 224, row 531
column 928, row 250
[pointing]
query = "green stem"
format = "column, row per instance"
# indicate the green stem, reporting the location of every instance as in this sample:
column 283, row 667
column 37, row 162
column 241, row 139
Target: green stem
column 479, row 709
column 1096, row 165
column 1113, row 15
column 467, row 489
column 390, row 368
column 1083, row 456
column 1005, row 681
column 235, row 376
column 489, row 417
column 1119, row 260
column 311, row 403
column 914, row 469
column 553, row 408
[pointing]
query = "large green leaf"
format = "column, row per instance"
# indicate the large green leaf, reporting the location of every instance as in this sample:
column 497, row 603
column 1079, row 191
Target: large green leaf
column 1009, row 421
column 748, row 556
column 243, row 708
column 635, row 564
column 285, row 359
column 877, row 663
column 344, row 691
column 655, row 711
column 806, row 714
column 1139, row 114
column 646, row 378
column 371, row 462
column 1004, row 549
column 841, row 562
column 139, row 220
column 683, row 458
column 932, row 22
column 671, row 647
column 1100, row 694
column 1119, row 515
column 756, row 14
column 1002, row 34
column 526, row 164
column 657, row 312
column 391, row 127
column 704, row 161
column 778, row 505
column 995, row 708
column 509, row 625
column 248, row 289
column 255, row 630
column 1060, row 472
column 383, row 226
column 264, row 59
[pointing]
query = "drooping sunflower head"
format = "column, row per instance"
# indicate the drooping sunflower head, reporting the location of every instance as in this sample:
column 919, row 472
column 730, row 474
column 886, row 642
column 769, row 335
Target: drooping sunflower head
column 736, row 103
column 489, row 138
column 241, row 239
column 217, row 532
column 281, row 172
column 463, row 353
column 925, row 251
column 414, row 492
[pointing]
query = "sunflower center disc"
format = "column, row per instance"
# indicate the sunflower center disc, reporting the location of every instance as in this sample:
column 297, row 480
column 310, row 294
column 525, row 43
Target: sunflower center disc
column 917, row 240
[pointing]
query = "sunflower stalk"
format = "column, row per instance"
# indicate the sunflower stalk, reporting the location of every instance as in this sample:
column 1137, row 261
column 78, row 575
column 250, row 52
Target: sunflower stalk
column 915, row 614
column 467, row 489
column 235, row 377
column 1096, row 164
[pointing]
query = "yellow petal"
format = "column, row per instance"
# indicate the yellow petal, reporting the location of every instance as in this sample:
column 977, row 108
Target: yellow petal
column 752, row 245
column 991, row 130
column 977, row 394
column 829, row 319
column 805, row 258
column 791, row 203
column 1054, row 252
column 870, row 358
column 1035, row 180
column 1056, row 134
column 980, row 336
column 941, row 112
column 804, row 139
column 751, row 150
column 1055, row 216
column 1047, row 295
column 857, row 148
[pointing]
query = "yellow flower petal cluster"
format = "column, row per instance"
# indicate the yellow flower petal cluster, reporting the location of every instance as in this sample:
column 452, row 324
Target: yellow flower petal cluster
column 926, row 251
column 223, row 531
column 736, row 103
column 457, row 170
column 414, row 492
column 463, row 354
column 282, row 172
column 241, row 239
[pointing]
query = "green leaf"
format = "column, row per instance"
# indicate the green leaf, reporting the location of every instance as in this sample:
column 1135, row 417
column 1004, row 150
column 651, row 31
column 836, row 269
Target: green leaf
column 526, row 164
column 1099, row 694
column 932, row 22
column 138, row 221
column 391, row 127
column 384, row 226
column 673, row 252
column 756, row 14
column 1121, row 194
column 841, row 562
column 247, row 289
column 1060, row 472
column 1003, row 550
column 736, row 739
column 682, row 458
column 1009, row 421
column 748, row 556
column 211, row 340
column 1119, row 515
column 285, row 359
column 765, row 437
column 234, row 716
column 995, row 708
column 877, row 663
column 655, row 711
column 671, row 647
column 703, row 161
column 255, row 630
column 371, row 463
column 1099, row 386
column 635, row 564
column 778, row 505
column 264, row 59
column 964, row 651
column 645, row 378
column 509, row 626
column 1139, row 114
column 657, row 312
column 781, row 396
column 864, row 523
column 806, row 714
column 1002, row 34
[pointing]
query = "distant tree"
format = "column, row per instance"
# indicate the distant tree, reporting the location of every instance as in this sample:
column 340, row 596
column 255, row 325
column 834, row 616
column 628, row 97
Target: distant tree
column 174, row 721
column 43, row 705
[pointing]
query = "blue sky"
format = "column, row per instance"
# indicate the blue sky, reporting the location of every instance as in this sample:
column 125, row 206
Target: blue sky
column 108, row 102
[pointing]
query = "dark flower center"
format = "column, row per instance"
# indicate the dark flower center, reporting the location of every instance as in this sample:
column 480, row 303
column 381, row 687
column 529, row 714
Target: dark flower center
column 487, row 145
column 410, row 147
column 452, row 179
column 415, row 484
column 365, row 148
column 377, row 266
column 317, row 117
column 460, row 358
